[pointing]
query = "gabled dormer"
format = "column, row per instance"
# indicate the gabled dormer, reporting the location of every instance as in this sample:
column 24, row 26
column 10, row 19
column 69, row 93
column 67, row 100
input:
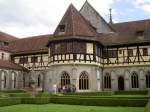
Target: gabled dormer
column 74, row 24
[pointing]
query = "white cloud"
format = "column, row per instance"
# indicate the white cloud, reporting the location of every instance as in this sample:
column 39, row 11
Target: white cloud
column 33, row 17
column 142, row 4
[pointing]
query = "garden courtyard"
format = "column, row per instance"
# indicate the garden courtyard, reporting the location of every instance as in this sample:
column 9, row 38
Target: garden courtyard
column 67, row 108
column 105, row 101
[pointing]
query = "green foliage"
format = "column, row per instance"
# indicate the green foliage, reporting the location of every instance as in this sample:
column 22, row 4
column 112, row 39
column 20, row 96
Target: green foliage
column 18, row 95
column 88, row 98
column 9, row 101
column 100, row 101
column 67, row 108
column 147, row 108
column 131, row 92
column 114, row 96
column 12, row 91
column 104, row 93
column 35, row 100
column 3, row 95
column 44, row 94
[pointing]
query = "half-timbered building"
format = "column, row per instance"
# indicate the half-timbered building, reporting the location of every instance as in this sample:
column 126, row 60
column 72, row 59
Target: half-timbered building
column 84, row 51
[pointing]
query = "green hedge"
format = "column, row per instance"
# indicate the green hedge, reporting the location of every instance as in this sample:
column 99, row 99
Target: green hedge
column 4, row 95
column 116, row 97
column 100, row 101
column 104, row 93
column 9, row 101
column 18, row 95
column 131, row 92
column 36, row 100
column 44, row 94
column 12, row 91
column 147, row 108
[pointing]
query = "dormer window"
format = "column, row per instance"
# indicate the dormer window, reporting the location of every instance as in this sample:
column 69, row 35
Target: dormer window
column 140, row 33
column 5, row 43
column 62, row 28
column 2, row 56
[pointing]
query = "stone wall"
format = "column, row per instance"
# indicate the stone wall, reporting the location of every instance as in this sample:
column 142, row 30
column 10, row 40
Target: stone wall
column 53, row 76
column 126, row 73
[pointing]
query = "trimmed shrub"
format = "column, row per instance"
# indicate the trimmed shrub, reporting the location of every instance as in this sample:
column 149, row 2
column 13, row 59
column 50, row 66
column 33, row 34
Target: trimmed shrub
column 100, row 101
column 36, row 100
column 4, row 95
column 131, row 92
column 116, row 97
column 103, row 93
column 9, row 101
column 18, row 95
column 12, row 91
column 44, row 94
column 147, row 108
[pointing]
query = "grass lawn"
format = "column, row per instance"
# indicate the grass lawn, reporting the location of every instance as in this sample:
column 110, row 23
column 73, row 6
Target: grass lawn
column 67, row 108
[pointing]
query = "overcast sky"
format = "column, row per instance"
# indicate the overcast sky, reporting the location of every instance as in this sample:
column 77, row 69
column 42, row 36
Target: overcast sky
column 23, row 18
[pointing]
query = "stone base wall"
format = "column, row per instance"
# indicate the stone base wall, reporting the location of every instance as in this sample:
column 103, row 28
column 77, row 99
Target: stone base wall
column 53, row 76
column 126, row 73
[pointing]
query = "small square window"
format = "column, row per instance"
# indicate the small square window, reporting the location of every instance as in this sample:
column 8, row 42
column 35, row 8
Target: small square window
column 6, row 43
column 120, row 51
column 34, row 59
column 140, row 33
column 145, row 52
column 130, row 52
column 23, row 60
column 62, row 28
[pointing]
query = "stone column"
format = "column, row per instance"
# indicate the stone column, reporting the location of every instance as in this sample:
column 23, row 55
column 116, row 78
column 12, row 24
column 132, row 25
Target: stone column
column 9, row 79
column 114, row 81
column 127, row 80
column 48, row 81
column 74, row 79
column 99, row 79
column 142, row 84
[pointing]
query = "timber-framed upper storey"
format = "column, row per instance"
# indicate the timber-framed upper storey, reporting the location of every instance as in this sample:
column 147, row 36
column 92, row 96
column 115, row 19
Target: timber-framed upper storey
column 84, row 37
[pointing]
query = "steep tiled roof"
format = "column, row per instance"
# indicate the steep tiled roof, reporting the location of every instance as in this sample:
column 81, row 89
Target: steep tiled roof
column 10, row 65
column 6, row 37
column 30, row 44
column 75, row 24
column 127, row 31
column 95, row 19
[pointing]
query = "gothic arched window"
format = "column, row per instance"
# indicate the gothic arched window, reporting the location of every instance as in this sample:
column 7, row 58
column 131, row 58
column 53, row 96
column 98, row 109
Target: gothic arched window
column 65, row 79
column 134, row 80
column 3, row 80
column 39, row 81
column 83, row 81
column 107, row 81
column 148, row 79
column 13, row 80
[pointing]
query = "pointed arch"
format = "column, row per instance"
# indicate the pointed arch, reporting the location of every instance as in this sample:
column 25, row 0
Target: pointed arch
column 65, row 79
column 14, row 79
column 107, row 81
column 3, row 79
column 147, row 79
column 83, row 81
column 39, row 81
column 134, row 80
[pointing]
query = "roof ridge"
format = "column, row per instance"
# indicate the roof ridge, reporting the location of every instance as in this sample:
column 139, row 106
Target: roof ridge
column 72, row 19
column 132, row 21
column 8, row 34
